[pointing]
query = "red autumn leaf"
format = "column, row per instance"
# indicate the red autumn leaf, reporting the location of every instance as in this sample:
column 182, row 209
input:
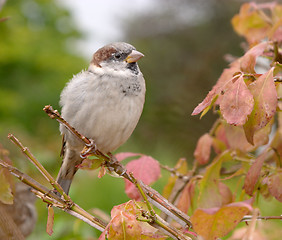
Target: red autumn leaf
column 253, row 174
column 274, row 183
column 123, row 155
column 215, row 223
column 50, row 221
column 203, row 149
column 124, row 225
column 209, row 195
column 145, row 169
column 265, row 96
column 248, row 61
column 237, row 103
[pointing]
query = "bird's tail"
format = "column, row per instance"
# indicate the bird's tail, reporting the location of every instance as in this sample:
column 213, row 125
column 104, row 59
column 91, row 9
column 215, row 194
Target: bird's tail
column 69, row 167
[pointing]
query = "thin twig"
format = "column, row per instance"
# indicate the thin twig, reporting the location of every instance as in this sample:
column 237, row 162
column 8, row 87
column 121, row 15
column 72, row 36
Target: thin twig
column 175, row 172
column 50, row 197
column 39, row 166
column 249, row 218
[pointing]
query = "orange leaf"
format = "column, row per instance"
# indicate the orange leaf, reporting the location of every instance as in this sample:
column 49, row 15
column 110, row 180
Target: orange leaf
column 215, row 223
column 250, row 23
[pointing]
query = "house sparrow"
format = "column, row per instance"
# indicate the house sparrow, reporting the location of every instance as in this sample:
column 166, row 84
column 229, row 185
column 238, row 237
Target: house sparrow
column 103, row 103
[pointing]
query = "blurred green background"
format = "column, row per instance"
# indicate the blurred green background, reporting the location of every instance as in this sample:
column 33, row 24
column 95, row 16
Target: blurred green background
column 184, row 43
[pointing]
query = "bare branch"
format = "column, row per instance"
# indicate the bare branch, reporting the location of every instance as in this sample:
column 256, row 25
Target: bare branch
column 51, row 198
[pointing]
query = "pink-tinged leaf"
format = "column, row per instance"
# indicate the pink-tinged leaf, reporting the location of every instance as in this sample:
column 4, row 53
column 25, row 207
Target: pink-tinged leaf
column 123, row 155
column 253, row 174
column 226, row 194
column 248, row 61
column 237, row 103
column 206, row 102
column 220, row 87
column 215, row 223
column 220, row 142
column 203, row 149
column 124, row 225
column 146, row 169
column 265, row 96
column 50, row 220
column 186, row 196
column 274, row 183
column 241, row 233
column 237, row 139
column 209, row 195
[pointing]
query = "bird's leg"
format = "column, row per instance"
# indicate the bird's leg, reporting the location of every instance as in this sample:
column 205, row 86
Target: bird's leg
column 114, row 165
column 88, row 149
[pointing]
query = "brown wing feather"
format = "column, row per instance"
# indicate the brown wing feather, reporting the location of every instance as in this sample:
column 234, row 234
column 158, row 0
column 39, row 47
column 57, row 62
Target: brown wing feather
column 63, row 149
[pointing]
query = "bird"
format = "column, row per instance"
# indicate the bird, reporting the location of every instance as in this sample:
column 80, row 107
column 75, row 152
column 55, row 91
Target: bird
column 104, row 103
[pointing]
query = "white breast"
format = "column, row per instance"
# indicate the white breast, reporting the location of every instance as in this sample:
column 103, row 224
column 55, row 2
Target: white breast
column 97, row 106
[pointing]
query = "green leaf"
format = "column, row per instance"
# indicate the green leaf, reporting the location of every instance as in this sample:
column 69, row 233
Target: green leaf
column 209, row 195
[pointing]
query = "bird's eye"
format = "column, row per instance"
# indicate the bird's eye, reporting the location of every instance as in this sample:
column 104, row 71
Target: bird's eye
column 117, row 55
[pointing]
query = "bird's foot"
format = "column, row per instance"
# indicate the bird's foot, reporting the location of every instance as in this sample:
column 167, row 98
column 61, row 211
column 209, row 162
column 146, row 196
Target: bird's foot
column 88, row 149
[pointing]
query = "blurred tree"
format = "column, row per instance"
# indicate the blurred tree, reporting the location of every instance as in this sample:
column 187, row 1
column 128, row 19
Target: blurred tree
column 184, row 42
column 36, row 59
